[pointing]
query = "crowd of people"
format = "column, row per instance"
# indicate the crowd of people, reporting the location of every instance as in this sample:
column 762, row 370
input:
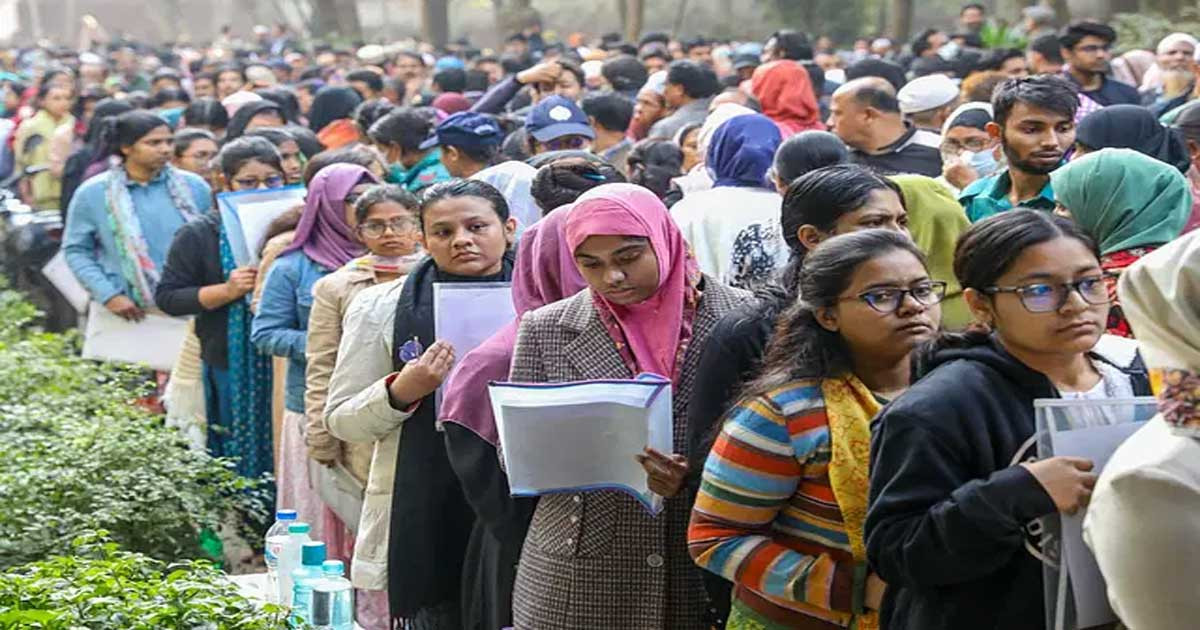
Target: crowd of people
column 858, row 268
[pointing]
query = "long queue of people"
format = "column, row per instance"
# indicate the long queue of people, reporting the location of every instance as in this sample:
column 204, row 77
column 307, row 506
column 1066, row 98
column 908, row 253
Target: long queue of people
column 857, row 293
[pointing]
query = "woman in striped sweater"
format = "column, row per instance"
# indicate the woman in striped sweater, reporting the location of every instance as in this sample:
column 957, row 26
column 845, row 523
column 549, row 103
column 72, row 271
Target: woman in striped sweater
column 784, row 492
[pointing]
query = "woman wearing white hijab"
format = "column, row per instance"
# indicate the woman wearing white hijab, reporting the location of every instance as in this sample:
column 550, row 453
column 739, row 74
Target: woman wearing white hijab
column 514, row 180
column 1143, row 524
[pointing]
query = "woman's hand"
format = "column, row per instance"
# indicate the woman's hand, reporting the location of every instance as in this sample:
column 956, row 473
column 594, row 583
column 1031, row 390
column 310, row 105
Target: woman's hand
column 240, row 282
column 124, row 308
column 1066, row 480
column 421, row 376
column 666, row 473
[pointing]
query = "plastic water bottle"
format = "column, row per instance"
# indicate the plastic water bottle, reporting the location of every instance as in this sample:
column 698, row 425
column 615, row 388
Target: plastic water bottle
column 289, row 559
column 303, row 579
column 333, row 599
column 276, row 537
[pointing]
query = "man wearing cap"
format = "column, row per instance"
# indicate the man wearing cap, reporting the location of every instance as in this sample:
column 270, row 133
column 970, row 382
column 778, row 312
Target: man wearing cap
column 469, row 142
column 927, row 101
column 865, row 114
column 557, row 124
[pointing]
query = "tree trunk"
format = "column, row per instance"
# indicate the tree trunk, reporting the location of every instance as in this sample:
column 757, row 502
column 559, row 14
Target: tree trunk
column 635, row 14
column 435, row 22
column 349, row 25
column 680, row 16
column 324, row 21
column 900, row 20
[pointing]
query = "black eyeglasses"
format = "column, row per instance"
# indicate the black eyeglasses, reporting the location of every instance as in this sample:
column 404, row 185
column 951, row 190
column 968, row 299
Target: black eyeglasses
column 244, row 183
column 376, row 229
column 1092, row 49
column 888, row 301
column 1047, row 298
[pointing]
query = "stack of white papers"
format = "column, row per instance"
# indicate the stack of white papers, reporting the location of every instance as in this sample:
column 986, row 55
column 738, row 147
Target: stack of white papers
column 155, row 341
column 572, row 437
column 247, row 215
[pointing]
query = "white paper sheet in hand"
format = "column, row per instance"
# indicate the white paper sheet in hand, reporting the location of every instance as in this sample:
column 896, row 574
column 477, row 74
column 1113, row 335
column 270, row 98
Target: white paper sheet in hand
column 572, row 437
column 466, row 314
column 248, row 214
column 155, row 341
column 60, row 275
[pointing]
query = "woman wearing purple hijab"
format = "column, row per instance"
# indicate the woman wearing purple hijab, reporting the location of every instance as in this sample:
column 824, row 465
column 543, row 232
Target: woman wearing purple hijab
column 324, row 242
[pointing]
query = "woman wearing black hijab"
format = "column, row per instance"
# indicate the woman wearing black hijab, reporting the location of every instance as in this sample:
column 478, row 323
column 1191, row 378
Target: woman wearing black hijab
column 331, row 116
column 262, row 113
column 1131, row 127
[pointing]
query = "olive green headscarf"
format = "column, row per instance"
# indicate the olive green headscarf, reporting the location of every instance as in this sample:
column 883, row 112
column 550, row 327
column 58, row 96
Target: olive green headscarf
column 1124, row 199
column 936, row 220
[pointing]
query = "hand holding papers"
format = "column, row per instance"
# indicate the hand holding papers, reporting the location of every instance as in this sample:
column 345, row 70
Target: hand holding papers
column 570, row 437
column 247, row 215
column 155, row 341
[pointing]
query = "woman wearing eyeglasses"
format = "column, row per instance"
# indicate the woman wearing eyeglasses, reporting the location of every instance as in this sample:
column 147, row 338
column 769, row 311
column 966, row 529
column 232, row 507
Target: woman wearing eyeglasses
column 952, row 490
column 201, row 278
column 784, row 492
column 325, row 240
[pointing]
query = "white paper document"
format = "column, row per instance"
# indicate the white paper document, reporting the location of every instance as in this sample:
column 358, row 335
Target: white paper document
column 572, row 437
column 64, row 280
column 248, row 214
column 155, row 341
column 467, row 313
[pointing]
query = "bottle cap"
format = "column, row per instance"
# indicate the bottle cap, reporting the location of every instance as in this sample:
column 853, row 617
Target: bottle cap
column 333, row 567
column 299, row 528
column 285, row 515
column 312, row 554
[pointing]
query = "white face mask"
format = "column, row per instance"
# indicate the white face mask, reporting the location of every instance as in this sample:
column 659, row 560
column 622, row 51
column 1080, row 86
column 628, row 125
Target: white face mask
column 984, row 162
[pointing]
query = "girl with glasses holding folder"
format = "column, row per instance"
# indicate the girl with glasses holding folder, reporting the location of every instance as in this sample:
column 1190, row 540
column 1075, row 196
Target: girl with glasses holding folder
column 953, row 484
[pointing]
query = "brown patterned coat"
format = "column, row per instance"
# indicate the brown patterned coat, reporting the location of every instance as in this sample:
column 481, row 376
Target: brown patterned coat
column 597, row 560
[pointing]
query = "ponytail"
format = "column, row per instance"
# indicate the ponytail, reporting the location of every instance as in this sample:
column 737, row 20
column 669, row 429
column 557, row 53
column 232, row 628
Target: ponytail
column 125, row 130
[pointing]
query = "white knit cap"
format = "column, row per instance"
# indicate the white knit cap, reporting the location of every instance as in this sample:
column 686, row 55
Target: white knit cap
column 927, row 92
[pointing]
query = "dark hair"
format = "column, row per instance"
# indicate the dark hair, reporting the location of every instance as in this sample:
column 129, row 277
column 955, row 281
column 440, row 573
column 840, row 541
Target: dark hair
column 451, row 79
column 463, row 188
column 105, row 109
column 611, row 111
column 230, row 68
column 699, row 42
column 653, row 163
column 562, row 181
column 482, row 154
column 920, row 43
column 881, row 68
column 169, row 74
column 275, row 135
column 575, row 69
column 792, row 45
column 655, row 52
column 370, row 77
column 406, row 127
column 330, row 103
column 360, row 155
column 168, row 95
column 685, row 130
column 237, row 153
column 995, row 58
column 477, row 81
column 206, row 112
column 624, row 73
column 973, row 5
column 310, row 85
column 696, row 80
column 211, row 77
column 125, row 130
column 1188, row 122
column 925, row 66
column 412, row 54
column 286, row 99
column 981, row 86
column 1047, row 92
column 870, row 95
column 305, row 139
column 46, row 86
column 819, row 198
column 658, row 37
column 380, row 193
column 801, row 348
column 368, row 112
column 1049, row 47
column 184, row 138
column 246, row 113
column 1072, row 34
column 808, row 151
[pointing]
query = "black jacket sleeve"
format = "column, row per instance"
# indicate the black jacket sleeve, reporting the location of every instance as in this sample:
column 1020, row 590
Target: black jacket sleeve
column 932, row 521
column 476, row 463
column 189, row 267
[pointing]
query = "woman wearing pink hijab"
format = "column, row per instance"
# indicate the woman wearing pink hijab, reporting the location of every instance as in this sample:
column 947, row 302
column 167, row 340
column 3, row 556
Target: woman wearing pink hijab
column 324, row 242
column 598, row 559
column 544, row 273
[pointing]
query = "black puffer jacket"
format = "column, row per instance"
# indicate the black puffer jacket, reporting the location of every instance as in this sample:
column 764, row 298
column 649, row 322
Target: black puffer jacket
column 949, row 505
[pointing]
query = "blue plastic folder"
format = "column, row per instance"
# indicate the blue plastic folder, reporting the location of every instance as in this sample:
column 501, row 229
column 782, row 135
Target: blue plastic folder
column 582, row 436
column 247, row 215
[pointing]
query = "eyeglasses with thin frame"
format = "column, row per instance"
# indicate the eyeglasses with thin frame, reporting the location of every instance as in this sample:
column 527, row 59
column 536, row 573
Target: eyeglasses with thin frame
column 1092, row 49
column 376, row 229
column 246, row 183
column 1042, row 297
column 889, row 300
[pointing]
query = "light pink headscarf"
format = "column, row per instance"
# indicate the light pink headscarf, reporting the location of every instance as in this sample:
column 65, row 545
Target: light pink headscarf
column 656, row 331
column 544, row 273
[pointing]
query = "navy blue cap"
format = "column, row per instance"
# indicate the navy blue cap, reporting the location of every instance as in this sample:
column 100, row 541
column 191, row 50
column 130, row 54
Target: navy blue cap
column 555, row 117
column 465, row 129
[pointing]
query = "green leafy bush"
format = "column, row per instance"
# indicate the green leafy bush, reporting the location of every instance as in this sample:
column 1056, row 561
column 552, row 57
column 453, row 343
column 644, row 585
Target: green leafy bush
column 99, row 586
column 77, row 454
column 1145, row 29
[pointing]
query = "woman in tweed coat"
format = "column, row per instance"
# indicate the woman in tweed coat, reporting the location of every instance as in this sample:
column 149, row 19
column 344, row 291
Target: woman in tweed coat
column 598, row 559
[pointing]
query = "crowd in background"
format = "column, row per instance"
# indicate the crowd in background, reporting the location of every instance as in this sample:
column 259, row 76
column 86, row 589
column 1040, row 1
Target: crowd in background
column 858, row 265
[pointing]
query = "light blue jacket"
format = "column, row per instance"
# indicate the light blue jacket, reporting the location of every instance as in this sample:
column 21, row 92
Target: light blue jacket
column 88, row 241
column 280, row 326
